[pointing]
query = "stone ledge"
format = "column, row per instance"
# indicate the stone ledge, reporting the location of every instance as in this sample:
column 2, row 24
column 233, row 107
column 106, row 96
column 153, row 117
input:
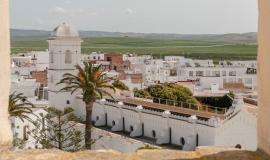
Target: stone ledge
column 203, row 153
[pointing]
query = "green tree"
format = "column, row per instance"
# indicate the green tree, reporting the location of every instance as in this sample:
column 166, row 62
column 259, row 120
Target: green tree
column 19, row 107
column 167, row 93
column 120, row 85
column 93, row 84
column 57, row 129
column 141, row 93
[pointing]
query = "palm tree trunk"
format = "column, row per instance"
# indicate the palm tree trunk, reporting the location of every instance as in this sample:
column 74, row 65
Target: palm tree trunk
column 5, row 131
column 88, row 124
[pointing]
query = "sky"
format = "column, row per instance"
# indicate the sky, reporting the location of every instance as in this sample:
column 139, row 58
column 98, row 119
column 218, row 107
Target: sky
column 144, row 16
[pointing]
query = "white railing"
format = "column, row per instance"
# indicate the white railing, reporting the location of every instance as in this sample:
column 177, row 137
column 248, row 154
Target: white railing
column 208, row 122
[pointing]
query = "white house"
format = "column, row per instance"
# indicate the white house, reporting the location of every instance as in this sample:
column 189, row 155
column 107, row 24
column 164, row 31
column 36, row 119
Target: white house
column 182, row 127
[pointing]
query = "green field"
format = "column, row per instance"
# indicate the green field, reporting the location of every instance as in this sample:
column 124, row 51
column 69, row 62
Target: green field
column 158, row 48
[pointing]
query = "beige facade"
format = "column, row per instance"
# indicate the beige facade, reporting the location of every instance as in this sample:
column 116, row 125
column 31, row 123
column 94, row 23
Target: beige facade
column 5, row 131
column 264, row 76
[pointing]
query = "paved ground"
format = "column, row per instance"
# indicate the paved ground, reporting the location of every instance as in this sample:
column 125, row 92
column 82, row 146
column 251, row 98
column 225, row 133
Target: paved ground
column 117, row 141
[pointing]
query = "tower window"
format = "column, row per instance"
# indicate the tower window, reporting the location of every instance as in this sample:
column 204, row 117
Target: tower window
column 68, row 57
column 51, row 57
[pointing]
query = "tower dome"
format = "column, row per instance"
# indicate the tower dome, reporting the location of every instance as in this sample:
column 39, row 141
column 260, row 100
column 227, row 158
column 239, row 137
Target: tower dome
column 64, row 30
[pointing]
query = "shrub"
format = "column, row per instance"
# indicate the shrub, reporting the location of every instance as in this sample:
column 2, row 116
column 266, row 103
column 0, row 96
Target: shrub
column 141, row 93
column 167, row 91
column 223, row 102
column 120, row 85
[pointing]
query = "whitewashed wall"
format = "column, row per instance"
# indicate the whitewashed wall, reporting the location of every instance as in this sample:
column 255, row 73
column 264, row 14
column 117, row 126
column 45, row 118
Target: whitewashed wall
column 166, row 128
column 241, row 129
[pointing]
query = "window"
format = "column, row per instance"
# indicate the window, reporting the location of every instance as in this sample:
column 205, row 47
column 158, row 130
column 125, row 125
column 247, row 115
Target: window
column 216, row 73
column 248, row 80
column 190, row 73
column 97, row 118
column 224, row 73
column 51, row 57
column 232, row 73
column 109, row 59
column 25, row 134
column 68, row 102
column 68, row 57
column 199, row 73
column 113, row 123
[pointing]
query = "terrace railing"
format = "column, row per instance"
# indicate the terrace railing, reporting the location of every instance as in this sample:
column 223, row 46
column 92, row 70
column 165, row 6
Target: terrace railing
column 186, row 105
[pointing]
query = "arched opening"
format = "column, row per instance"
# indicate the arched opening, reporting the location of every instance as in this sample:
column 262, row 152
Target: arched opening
column 238, row 146
column 131, row 128
column 182, row 141
column 113, row 123
column 153, row 133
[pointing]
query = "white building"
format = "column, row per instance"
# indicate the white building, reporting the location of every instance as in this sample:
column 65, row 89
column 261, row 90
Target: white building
column 94, row 56
column 65, row 53
column 164, row 124
column 182, row 127
column 221, row 74
column 21, row 85
column 21, row 128
column 24, row 63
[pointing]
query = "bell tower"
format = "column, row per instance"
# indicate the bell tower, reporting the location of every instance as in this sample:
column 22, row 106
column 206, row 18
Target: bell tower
column 64, row 54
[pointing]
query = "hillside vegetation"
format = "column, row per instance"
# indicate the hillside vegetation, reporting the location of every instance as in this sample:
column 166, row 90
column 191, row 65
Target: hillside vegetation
column 156, row 47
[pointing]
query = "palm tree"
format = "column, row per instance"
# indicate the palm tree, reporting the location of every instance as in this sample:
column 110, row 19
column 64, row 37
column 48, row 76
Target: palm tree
column 19, row 106
column 92, row 83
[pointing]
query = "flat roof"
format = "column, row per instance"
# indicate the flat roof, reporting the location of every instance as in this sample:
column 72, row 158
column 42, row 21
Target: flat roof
column 172, row 109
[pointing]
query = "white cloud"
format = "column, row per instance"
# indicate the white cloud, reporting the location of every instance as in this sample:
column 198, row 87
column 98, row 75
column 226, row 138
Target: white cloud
column 57, row 10
column 39, row 21
column 68, row 2
column 93, row 13
column 129, row 11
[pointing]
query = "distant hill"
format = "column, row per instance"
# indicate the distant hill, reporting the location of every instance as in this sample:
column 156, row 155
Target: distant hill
column 229, row 38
